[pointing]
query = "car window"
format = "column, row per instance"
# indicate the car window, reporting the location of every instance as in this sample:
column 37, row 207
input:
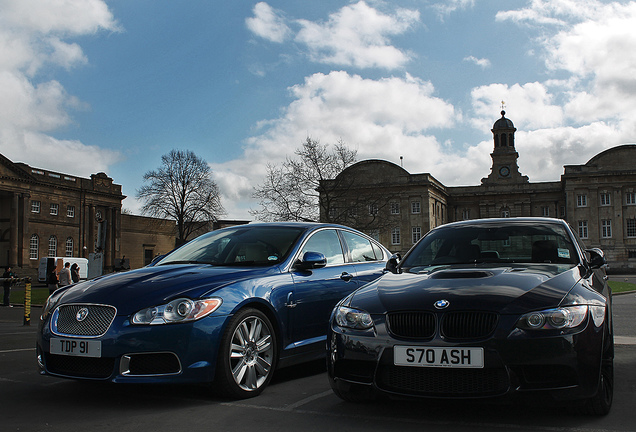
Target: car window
column 360, row 248
column 244, row 245
column 327, row 243
column 520, row 243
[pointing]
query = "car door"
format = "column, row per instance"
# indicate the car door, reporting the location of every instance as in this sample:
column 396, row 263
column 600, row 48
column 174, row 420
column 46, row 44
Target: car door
column 315, row 292
column 368, row 258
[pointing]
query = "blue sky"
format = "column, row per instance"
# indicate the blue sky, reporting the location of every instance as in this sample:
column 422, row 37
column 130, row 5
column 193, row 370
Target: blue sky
column 91, row 85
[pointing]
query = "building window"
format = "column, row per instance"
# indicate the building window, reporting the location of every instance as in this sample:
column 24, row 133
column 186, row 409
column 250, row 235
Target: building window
column 605, row 199
column 631, row 253
column 583, row 229
column 373, row 209
column 69, row 247
column 416, row 208
column 505, row 212
column 630, row 198
column 395, row 236
column 545, row 211
column 581, row 200
column 465, row 214
column 606, row 228
column 631, row 227
column 33, row 247
column 52, row 246
column 70, row 211
column 55, row 208
column 395, row 208
column 562, row 212
column 35, row 206
column 416, row 234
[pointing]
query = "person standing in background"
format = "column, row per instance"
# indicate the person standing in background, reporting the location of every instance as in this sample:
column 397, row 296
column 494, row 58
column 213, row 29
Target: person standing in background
column 8, row 274
column 65, row 275
column 52, row 281
column 75, row 273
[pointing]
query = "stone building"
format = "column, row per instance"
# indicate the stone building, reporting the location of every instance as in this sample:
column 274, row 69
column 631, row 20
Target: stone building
column 46, row 213
column 598, row 198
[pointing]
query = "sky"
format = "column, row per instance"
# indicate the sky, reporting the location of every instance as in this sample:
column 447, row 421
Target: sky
column 110, row 86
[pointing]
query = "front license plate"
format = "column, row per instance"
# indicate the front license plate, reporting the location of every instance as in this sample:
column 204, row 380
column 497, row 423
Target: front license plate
column 76, row 347
column 438, row 357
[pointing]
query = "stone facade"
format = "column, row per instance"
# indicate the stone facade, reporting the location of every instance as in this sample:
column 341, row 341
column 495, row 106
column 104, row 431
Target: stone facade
column 598, row 198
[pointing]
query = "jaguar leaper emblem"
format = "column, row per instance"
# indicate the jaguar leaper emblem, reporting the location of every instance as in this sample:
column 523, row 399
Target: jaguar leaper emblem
column 81, row 314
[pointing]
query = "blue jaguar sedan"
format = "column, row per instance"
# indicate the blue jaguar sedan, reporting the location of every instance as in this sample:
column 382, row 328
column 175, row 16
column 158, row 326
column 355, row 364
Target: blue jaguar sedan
column 227, row 308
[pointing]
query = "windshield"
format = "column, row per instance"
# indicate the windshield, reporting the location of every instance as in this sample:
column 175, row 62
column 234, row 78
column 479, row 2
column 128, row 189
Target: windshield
column 244, row 245
column 489, row 243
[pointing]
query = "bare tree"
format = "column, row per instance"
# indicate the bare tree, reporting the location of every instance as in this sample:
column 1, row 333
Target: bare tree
column 291, row 191
column 182, row 189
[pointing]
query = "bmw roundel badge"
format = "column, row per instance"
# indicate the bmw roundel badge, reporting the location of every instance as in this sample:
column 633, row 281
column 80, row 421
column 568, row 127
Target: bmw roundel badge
column 81, row 314
column 441, row 304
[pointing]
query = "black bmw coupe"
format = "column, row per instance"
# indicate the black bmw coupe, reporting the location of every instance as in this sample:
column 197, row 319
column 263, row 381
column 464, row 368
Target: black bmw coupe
column 482, row 309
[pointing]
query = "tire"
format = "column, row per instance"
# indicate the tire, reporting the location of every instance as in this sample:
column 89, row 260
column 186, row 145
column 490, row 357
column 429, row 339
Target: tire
column 247, row 355
column 601, row 403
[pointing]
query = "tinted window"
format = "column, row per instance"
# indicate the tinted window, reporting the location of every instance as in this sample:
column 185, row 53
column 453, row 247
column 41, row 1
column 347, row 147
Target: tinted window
column 327, row 243
column 244, row 245
column 359, row 247
column 513, row 243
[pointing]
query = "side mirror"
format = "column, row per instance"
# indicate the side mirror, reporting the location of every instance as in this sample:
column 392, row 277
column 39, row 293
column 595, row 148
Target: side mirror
column 311, row 260
column 392, row 263
column 597, row 258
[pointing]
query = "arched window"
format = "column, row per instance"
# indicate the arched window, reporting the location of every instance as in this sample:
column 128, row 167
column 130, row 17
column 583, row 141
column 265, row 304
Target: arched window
column 52, row 246
column 69, row 247
column 33, row 247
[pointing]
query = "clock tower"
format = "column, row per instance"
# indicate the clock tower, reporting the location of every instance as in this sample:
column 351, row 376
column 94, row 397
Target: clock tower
column 504, row 157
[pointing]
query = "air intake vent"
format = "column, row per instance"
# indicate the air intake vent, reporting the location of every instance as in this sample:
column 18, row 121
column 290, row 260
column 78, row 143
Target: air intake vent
column 461, row 275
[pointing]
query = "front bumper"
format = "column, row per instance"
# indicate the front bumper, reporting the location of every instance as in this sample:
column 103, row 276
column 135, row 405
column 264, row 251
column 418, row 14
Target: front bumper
column 563, row 367
column 170, row 353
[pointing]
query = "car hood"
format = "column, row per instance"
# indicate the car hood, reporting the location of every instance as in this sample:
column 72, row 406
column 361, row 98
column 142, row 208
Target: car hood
column 149, row 286
column 500, row 289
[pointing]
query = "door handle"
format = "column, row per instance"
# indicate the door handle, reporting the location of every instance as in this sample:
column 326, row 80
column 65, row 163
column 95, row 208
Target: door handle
column 346, row 276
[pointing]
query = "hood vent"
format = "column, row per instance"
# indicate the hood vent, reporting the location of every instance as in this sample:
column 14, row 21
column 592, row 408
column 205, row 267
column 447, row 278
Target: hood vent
column 451, row 274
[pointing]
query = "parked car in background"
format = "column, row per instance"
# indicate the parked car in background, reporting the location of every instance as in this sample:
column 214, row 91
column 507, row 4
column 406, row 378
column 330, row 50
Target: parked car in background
column 227, row 308
column 482, row 309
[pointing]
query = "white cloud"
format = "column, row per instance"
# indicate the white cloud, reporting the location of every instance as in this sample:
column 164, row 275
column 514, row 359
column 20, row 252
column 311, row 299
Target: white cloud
column 33, row 37
column 531, row 103
column 446, row 7
column 358, row 35
column 483, row 63
column 268, row 23
column 397, row 119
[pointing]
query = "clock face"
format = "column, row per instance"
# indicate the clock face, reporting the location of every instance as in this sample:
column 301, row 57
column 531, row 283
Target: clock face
column 504, row 171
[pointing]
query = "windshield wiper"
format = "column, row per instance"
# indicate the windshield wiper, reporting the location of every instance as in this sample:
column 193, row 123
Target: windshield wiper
column 187, row 262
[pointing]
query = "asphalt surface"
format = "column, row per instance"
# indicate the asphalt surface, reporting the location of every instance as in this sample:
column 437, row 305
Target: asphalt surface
column 298, row 398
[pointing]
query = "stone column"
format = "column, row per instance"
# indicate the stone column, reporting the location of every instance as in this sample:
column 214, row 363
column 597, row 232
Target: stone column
column 13, row 234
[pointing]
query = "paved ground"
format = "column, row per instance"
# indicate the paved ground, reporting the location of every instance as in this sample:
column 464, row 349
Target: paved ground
column 298, row 399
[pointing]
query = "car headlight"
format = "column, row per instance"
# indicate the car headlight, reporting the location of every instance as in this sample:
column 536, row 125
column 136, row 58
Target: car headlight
column 553, row 319
column 179, row 310
column 353, row 318
column 50, row 304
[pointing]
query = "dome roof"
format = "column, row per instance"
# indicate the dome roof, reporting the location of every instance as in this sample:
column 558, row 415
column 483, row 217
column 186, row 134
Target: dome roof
column 503, row 122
